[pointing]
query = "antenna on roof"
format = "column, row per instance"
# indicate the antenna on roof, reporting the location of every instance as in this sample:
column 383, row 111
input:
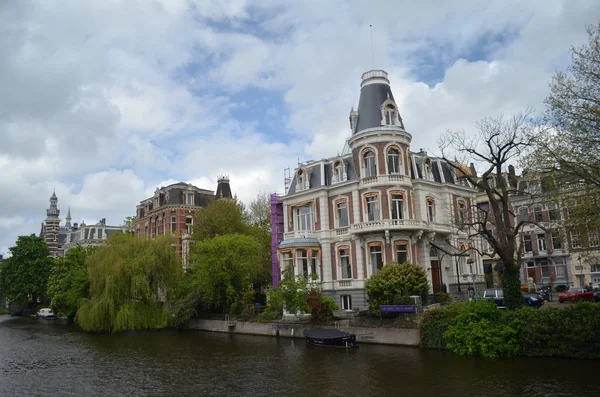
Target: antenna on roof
column 372, row 56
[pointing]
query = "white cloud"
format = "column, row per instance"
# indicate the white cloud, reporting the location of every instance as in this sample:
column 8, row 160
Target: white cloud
column 104, row 100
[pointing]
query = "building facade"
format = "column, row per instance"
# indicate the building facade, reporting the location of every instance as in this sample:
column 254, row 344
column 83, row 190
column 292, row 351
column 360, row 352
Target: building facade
column 378, row 202
column 60, row 239
column 172, row 211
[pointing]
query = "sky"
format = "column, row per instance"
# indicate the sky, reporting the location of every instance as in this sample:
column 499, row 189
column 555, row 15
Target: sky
column 103, row 101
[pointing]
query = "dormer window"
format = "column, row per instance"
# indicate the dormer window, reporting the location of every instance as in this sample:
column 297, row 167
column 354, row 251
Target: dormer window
column 393, row 158
column 301, row 180
column 189, row 198
column 390, row 115
column 338, row 172
column 369, row 164
column 428, row 174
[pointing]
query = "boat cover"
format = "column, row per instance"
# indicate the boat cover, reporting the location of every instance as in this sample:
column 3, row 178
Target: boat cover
column 325, row 333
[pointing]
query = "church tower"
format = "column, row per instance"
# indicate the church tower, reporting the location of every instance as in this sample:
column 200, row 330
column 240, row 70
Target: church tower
column 51, row 226
column 68, row 219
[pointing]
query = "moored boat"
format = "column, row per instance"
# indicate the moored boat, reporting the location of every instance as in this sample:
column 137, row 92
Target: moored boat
column 330, row 338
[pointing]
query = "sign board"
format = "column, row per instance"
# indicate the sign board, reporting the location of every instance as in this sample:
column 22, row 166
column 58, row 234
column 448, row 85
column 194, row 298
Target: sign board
column 397, row 308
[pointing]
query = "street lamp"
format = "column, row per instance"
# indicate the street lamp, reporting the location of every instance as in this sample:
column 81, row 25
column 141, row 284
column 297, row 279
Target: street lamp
column 470, row 262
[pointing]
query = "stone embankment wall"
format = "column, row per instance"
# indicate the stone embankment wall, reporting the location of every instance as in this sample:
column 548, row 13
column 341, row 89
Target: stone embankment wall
column 388, row 336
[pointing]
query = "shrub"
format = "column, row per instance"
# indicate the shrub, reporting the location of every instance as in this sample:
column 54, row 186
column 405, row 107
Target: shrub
column 435, row 322
column 478, row 328
column 321, row 307
column 443, row 298
column 481, row 331
column 394, row 280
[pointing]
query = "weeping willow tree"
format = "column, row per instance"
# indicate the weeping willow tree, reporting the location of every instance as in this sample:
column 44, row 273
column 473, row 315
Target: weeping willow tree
column 129, row 280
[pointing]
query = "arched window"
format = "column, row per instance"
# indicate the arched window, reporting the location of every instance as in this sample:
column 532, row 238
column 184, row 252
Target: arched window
column 390, row 114
column 393, row 158
column 430, row 209
column 369, row 164
column 397, row 204
column 300, row 176
column 338, row 172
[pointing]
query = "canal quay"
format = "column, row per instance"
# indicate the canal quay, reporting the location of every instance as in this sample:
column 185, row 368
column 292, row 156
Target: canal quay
column 49, row 358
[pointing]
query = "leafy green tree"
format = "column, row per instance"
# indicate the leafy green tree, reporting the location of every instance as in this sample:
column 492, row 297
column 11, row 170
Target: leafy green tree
column 129, row 281
column 219, row 218
column 393, row 281
column 259, row 219
column 223, row 270
column 129, row 223
column 567, row 150
column 24, row 275
column 68, row 284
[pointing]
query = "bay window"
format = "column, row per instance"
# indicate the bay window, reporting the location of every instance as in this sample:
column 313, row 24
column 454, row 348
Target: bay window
column 304, row 218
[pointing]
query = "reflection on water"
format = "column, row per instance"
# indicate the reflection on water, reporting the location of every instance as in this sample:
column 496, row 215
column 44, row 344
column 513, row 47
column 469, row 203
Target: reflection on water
column 40, row 357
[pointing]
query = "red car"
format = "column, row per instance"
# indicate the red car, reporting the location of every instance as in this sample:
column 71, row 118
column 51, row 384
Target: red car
column 576, row 294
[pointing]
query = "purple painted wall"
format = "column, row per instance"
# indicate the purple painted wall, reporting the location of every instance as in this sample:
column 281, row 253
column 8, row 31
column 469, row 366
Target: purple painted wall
column 276, row 235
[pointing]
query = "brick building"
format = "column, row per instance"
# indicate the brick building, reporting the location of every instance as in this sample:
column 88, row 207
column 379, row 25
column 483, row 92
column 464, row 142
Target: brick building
column 378, row 202
column 172, row 210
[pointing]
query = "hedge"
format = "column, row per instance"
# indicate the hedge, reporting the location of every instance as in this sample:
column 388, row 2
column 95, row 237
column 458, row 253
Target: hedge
column 478, row 328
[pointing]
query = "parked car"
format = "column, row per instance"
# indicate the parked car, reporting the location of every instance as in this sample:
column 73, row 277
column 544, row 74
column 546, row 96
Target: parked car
column 596, row 297
column 576, row 294
column 497, row 295
column 45, row 313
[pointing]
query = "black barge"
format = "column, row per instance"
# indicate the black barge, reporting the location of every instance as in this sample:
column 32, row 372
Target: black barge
column 330, row 338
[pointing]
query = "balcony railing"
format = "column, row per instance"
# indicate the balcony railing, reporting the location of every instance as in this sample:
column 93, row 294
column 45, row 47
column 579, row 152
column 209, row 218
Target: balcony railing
column 369, row 180
column 342, row 231
column 394, row 224
column 395, row 178
column 344, row 283
column 299, row 234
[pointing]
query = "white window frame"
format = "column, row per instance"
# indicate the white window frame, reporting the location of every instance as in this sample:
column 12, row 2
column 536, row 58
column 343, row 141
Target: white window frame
column 396, row 167
column 338, row 217
column 304, row 221
column 390, row 114
column 347, row 265
column 406, row 250
column 189, row 226
column 430, row 210
column 157, row 225
column 376, row 215
column 369, row 163
column 173, row 223
column 541, row 241
column 535, row 213
column 287, row 260
column 346, row 302
column 189, row 199
column 372, row 256
column 397, row 205
column 575, row 240
column 314, row 263
column 302, row 262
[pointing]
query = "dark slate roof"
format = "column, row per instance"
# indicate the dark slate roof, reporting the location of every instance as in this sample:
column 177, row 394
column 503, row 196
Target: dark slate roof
column 436, row 172
column 372, row 97
column 223, row 189
column 447, row 173
column 350, row 170
column 315, row 178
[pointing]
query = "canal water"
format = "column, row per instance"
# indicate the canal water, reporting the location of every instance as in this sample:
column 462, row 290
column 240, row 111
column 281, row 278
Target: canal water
column 46, row 358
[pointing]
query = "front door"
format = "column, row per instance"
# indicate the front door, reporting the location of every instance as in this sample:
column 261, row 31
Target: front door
column 436, row 278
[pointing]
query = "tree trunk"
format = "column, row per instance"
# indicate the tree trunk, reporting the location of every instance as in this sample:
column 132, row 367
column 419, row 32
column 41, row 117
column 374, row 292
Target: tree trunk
column 511, row 286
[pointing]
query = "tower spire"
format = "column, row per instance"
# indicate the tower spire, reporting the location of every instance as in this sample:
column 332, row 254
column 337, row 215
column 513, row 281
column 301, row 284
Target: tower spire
column 68, row 218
